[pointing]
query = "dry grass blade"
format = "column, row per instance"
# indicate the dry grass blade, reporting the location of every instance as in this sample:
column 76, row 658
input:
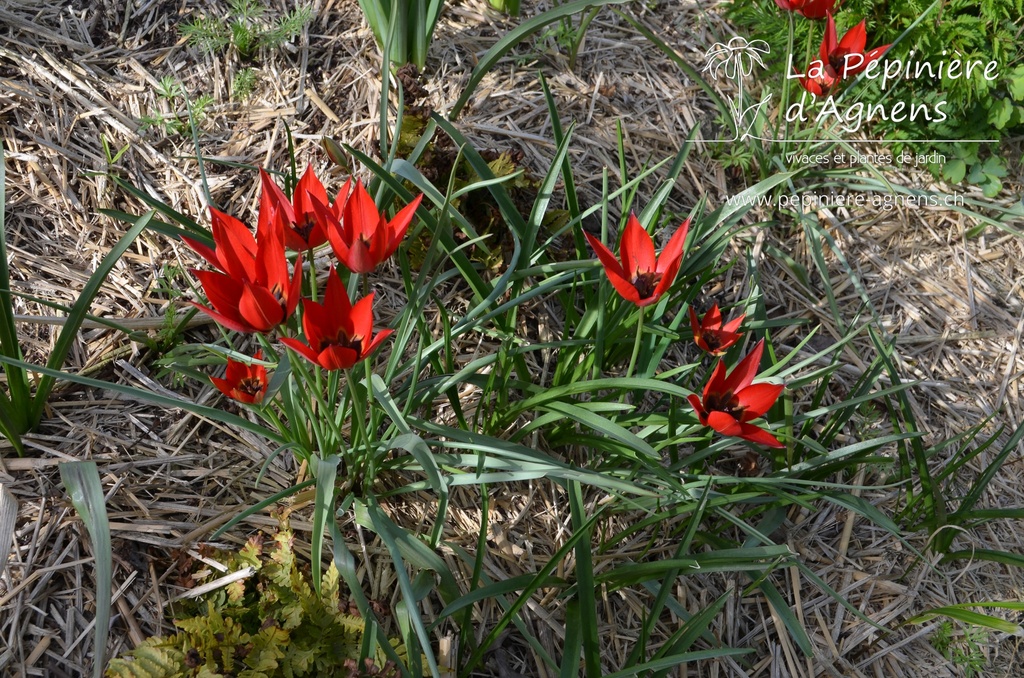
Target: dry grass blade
column 8, row 520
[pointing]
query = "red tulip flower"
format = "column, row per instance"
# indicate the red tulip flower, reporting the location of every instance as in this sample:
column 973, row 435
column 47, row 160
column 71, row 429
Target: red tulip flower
column 252, row 292
column 730, row 402
column 300, row 220
column 243, row 382
column 364, row 238
column 641, row 278
column 711, row 335
column 840, row 59
column 812, row 9
column 338, row 333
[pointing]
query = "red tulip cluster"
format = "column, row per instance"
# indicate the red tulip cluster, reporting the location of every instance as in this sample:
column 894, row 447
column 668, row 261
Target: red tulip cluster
column 840, row 59
column 730, row 402
column 252, row 290
column 641, row 277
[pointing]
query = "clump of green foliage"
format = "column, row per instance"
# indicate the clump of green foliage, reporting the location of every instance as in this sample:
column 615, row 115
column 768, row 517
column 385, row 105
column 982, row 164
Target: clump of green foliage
column 270, row 624
column 175, row 120
column 962, row 648
column 247, row 30
column 975, row 107
column 244, row 84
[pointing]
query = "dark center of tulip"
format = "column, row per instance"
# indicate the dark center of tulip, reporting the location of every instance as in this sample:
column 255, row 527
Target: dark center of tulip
column 712, row 341
column 645, row 283
column 305, row 228
column 251, row 386
column 724, row 402
column 278, row 291
column 342, row 340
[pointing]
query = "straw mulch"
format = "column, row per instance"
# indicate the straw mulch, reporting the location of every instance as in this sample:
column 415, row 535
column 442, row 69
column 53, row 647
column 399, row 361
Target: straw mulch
column 73, row 74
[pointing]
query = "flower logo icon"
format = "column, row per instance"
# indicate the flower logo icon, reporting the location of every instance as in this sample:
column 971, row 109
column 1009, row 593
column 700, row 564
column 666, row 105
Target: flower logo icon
column 737, row 57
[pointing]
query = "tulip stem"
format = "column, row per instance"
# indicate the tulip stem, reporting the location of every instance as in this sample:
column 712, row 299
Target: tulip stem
column 358, row 423
column 312, row 275
column 636, row 344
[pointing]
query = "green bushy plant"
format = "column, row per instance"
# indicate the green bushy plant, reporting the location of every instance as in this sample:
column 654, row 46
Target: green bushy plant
column 963, row 648
column 175, row 120
column 247, row 29
column 271, row 623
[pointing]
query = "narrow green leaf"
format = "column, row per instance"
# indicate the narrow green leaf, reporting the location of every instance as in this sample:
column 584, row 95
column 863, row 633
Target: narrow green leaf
column 973, row 618
column 78, row 313
column 17, row 417
column 586, row 591
column 1004, row 557
column 82, row 481
column 389, row 532
column 326, row 472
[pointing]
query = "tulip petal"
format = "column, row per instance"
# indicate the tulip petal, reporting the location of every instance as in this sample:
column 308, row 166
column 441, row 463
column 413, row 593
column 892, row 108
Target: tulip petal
column 712, row 319
column 758, row 399
column 875, row 54
column 224, row 386
column 236, row 246
column 271, row 263
column 362, row 219
column 361, row 318
column 695, row 325
column 716, row 384
column 337, row 358
column 260, row 308
column 398, row 226
column 855, row 40
column 734, row 324
column 698, row 407
column 724, row 423
column 236, row 324
column 829, row 43
column 336, row 297
column 236, row 371
column 817, row 9
column 605, row 255
column 300, row 348
column 758, row 435
column 221, row 290
column 673, row 252
column 315, row 324
column 307, row 189
column 743, row 374
column 636, row 249
column 369, row 348
column 360, row 259
column 273, row 198
column 627, row 290
column 613, row 269
column 202, row 250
